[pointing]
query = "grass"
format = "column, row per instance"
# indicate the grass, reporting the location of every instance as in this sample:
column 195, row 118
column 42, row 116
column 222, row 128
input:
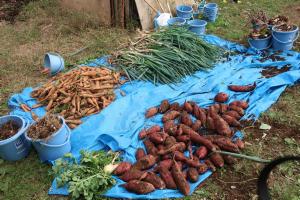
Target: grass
column 43, row 26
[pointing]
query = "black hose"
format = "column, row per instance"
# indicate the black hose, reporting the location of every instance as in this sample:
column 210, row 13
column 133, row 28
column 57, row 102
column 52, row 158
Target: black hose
column 262, row 187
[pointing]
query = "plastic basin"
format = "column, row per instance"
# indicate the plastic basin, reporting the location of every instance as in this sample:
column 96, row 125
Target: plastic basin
column 176, row 21
column 284, row 40
column 184, row 11
column 197, row 26
column 260, row 44
column 15, row 147
column 54, row 62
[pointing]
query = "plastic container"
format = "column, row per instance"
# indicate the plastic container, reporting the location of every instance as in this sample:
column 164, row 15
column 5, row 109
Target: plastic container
column 15, row 147
column 176, row 21
column 56, row 138
column 184, row 11
column 260, row 44
column 54, row 62
column 197, row 26
column 49, row 152
column 284, row 40
column 210, row 12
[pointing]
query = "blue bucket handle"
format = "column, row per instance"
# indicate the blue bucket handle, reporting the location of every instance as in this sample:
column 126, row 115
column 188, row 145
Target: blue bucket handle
column 257, row 48
column 27, row 124
column 286, row 42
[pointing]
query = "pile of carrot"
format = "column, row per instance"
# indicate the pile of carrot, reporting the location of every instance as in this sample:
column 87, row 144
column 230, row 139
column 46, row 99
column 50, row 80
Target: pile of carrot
column 79, row 93
column 187, row 130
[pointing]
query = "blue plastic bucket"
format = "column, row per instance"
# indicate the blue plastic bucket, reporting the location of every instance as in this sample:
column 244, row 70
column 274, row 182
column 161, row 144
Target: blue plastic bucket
column 184, row 11
column 197, row 26
column 15, row 147
column 284, row 40
column 260, row 44
column 54, row 62
column 56, row 138
column 210, row 12
column 52, row 152
column 176, row 21
column 196, row 15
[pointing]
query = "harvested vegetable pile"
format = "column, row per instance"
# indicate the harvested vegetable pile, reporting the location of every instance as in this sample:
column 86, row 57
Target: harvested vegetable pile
column 166, row 56
column 78, row 93
column 280, row 19
column 188, row 129
column 88, row 177
column 44, row 127
column 8, row 130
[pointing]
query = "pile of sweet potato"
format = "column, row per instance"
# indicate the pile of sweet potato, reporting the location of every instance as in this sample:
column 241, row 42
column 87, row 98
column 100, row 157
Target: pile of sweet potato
column 181, row 150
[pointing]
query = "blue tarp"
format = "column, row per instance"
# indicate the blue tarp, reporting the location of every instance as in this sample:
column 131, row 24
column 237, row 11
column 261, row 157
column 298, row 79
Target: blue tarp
column 118, row 125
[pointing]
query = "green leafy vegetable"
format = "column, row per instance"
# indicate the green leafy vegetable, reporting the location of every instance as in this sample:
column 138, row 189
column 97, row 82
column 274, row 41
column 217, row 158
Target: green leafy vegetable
column 86, row 178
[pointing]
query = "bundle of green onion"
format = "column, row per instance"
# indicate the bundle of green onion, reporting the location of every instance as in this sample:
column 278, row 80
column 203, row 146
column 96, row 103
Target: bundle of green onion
column 167, row 56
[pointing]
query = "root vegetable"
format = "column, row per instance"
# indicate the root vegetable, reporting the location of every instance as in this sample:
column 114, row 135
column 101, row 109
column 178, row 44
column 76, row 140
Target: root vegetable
column 155, row 180
column 238, row 109
column 231, row 121
column 140, row 153
column 187, row 106
column 122, row 168
column 183, row 138
column 145, row 162
column 151, row 112
column 222, row 127
column 223, row 108
column 166, row 164
column 153, row 129
column 196, row 125
column 179, row 131
column 142, row 134
column 242, row 104
column 192, row 174
column 210, row 165
column 221, row 97
column 200, row 114
column 242, row 88
column 164, row 106
column 133, row 174
column 234, row 114
column 160, row 147
column 175, row 106
column 217, row 160
column 166, row 175
column 202, row 168
column 210, row 123
column 156, row 138
column 176, row 147
column 150, row 148
column 171, row 115
column 186, row 119
column 170, row 141
column 226, row 144
column 170, row 127
column 201, row 152
column 139, row 187
column 180, row 181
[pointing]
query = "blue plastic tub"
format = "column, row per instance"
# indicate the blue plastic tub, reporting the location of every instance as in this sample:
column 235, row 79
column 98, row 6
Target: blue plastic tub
column 176, row 21
column 184, row 11
column 54, row 62
column 260, row 44
column 284, row 40
column 210, row 12
column 57, row 138
column 52, row 152
column 15, row 147
column 197, row 26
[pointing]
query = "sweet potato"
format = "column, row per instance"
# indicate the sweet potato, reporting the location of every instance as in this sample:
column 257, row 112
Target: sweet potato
column 202, row 168
column 171, row 115
column 210, row 165
column 142, row 134
column 200, row 114
column 223, row 108
column 192, row 174
column 183, row 138
column 153, row 129
column 139, row 187
column 226, row 144
column 242, row 104
column 140, row 153
column 160, row 147
column 166, row 164
column 166, row 157
column 229, row 159
column 179, row 156
column 170, row 141
column 186, row 119
column 234, row 114
column 184, row 173
column 156, row 138
column 170, row 127
column 201, row 152
column 242, row 88
column 217, row 159
column 164, row 106
column 231, row 121
column 155, row 180
column 145, row 162
column 222, row 127
column 150, row 148
column 166, row 175
column 187, row 106
column 238, row 109
column 180, row 181
column 179, row 131
column 210, row 123
column 196, row 138
column 221, row 97
column 240, row 143
column 214, row 109
column 180, row 146
column 122, row 168
column 196, row 125
column 175, row 106
column 133, row 174
column 151, row 112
